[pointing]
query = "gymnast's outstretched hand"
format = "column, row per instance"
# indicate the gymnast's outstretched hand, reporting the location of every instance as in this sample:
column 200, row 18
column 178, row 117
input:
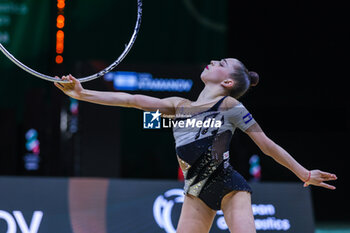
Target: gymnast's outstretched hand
column 72, row 89
column 318, row 178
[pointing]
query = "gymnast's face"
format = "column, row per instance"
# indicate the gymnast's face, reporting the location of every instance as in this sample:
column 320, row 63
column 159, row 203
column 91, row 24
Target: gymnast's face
column 218, row 71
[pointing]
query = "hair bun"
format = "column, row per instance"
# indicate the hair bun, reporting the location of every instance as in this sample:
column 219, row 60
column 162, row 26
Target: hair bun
column 254, row 78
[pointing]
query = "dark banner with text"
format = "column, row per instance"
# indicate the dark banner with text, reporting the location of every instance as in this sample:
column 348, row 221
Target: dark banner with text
column 85, row 205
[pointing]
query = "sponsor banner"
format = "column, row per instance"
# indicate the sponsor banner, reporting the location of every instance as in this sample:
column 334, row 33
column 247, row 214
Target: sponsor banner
column 34, row 205
column 80, row 205
column 133, row 81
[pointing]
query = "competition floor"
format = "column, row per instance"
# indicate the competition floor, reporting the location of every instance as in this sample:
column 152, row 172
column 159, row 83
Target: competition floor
column 333, row 227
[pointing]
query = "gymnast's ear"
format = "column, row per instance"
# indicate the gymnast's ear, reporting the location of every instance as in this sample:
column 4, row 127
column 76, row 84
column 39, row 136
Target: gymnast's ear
column 228, row 83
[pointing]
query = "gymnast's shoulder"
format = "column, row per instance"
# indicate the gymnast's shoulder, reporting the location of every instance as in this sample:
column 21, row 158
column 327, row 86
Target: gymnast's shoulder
column 229, row 103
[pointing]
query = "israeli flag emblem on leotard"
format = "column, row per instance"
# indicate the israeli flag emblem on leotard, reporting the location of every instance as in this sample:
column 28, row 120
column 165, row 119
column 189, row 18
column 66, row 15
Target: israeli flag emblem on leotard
column 226, row 155
column 247, row 118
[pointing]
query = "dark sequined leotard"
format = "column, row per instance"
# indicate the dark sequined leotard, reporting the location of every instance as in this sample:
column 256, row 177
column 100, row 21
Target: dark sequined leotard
column 203, row 152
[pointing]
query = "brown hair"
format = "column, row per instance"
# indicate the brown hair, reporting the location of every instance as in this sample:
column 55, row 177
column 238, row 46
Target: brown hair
column 244, row 79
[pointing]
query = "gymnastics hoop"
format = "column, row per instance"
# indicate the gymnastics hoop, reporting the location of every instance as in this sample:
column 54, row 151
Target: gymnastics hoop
column 91, row 77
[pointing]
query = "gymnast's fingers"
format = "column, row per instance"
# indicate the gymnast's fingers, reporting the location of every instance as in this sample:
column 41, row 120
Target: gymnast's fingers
column 56, row 77
column 74, row 80
column 328, row 178
column 327, row 186
column 327, row 175
column 59, row 86
column 71, row 83
column 67, row 85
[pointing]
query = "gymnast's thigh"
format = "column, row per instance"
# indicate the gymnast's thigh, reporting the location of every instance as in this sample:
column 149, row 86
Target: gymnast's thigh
column 196, row 216
column 238, row 213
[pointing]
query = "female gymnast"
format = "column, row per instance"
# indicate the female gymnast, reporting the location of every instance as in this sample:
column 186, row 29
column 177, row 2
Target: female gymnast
column 203, row 153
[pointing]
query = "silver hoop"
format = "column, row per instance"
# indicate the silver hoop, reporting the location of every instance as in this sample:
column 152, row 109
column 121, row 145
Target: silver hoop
column 91, row 77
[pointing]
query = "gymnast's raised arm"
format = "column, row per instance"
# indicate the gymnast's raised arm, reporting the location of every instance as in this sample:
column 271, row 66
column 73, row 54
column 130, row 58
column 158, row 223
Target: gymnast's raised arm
column 270, row 148
column 75, row 90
